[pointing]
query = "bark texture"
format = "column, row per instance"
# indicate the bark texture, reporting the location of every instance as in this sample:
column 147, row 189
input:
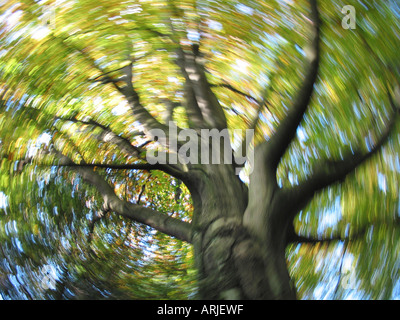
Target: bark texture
column 233, row 261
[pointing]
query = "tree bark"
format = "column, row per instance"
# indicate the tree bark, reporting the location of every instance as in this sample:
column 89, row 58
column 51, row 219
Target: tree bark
column 232, row 260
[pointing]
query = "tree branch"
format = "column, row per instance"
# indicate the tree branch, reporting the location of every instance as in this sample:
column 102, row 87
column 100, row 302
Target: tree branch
column 107, row 135
column 244, row 144
column 170, row 106
column 202, row 104
column 135, row 166
column 207, row 101
column 233, row 89
column 159, row 221
column 286, row 130
column 194, row 113
column 96, row 217
column 293, row 237
column 56, row 158
column 329, row 172
column 140, row 112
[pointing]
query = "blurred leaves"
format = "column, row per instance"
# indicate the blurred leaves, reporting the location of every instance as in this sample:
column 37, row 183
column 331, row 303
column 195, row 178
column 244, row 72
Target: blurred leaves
column 53, row 55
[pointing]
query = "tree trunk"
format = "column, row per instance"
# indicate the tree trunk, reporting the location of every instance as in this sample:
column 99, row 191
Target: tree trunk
column 233, row 261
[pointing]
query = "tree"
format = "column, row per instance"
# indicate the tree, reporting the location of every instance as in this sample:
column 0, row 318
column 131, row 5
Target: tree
column 87, row 87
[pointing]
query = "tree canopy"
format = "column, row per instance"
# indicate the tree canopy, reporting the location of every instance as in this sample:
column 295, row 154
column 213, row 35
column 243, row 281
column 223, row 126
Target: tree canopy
column 82, row 82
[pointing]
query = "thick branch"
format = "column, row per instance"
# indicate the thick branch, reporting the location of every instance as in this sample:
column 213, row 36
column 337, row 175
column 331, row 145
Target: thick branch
column 107, row 135
column 354, row 235
column 135, row 166
column 293, row 237
column 329, row 172
column 203, row 106
column 194, row 113
column 139, row 111
column 159, row 221
column 56, row 158
column 195, row 117
column 286, row 131
column 170, row 107
column 207, row 101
